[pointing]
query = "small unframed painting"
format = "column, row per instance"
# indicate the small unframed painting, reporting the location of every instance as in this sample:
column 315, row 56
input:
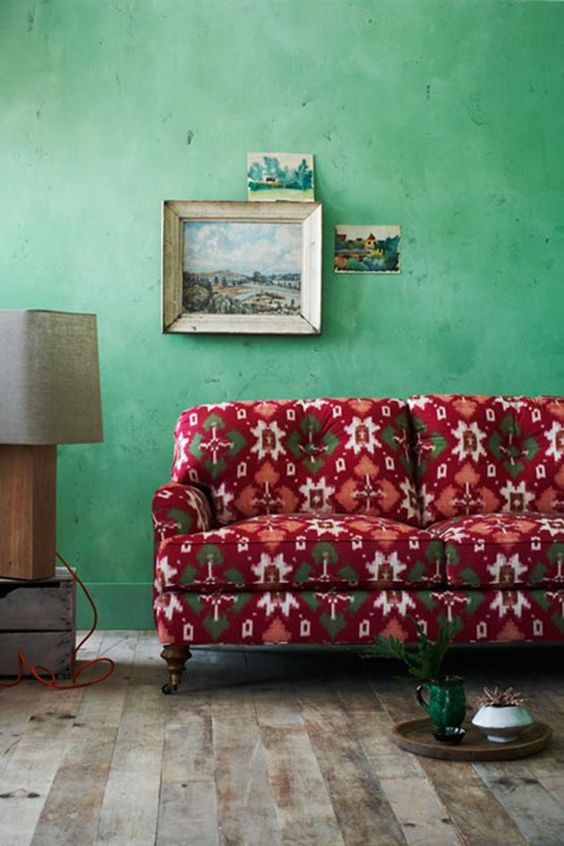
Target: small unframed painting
column 280, row 176
column 367, row 249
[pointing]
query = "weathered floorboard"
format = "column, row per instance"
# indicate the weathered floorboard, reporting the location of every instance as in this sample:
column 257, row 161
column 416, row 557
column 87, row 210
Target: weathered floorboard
column 131, row 798
column 412, row 797
column 534, row 810
column 358, row 799
column 275, row 747
column 71, row 811
column 246, row 811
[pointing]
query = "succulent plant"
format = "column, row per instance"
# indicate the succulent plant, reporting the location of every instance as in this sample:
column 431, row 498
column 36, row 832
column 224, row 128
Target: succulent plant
column 500, row 698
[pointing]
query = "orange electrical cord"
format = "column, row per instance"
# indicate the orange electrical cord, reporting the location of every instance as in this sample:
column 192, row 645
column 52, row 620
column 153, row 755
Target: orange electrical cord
column 47, row 677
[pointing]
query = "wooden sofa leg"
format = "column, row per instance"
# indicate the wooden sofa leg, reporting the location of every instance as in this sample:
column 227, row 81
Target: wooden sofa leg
column 175, row 656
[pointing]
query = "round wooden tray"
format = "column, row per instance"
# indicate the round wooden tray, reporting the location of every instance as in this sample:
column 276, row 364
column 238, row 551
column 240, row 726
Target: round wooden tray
column 417, row 736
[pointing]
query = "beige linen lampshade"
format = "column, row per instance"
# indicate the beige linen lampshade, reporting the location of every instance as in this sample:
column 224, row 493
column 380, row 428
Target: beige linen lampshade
column 49, row 394
column 49, row 380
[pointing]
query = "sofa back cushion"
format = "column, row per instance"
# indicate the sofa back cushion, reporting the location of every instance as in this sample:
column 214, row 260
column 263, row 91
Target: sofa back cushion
column 283, row 456
column 478, row 454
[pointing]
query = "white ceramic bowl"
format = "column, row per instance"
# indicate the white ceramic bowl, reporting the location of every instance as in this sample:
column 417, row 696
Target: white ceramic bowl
column 502, row 723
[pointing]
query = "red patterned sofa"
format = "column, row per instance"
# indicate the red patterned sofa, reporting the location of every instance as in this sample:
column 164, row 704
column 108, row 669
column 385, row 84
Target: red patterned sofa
column 336, row 520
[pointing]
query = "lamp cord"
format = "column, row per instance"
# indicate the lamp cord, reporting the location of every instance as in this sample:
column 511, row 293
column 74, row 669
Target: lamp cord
column 47, row 677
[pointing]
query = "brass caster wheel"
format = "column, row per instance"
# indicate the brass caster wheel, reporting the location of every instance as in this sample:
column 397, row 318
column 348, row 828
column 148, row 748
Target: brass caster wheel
column 169, row 688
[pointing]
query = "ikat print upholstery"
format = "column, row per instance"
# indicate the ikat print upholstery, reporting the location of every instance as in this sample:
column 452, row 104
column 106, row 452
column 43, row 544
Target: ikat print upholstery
column 326, row 456
column 301, row 552
column 298, row 522
column 479, row 454
column 179, row 509
column 342, row 616
column 506, row 550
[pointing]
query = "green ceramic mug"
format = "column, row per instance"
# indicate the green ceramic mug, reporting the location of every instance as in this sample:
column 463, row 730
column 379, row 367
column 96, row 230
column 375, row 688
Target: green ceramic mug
column 446, row 704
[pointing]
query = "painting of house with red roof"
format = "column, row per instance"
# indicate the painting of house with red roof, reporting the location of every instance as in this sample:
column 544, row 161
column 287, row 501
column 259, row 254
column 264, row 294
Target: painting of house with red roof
column 367, row 249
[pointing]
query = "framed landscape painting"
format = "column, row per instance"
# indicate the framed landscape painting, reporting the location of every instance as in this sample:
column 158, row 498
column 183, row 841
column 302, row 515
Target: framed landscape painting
column 241, row 268
column 367, row 249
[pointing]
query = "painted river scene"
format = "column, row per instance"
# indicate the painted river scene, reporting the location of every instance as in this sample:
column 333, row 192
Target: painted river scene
column 242, row 268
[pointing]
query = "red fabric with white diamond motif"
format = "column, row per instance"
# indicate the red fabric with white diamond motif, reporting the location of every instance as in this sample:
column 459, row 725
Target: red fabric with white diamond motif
column 479, row 454
column 357, row 617
column 507, row 550
column 178, row 509
column 301, row 551
column 325, row 456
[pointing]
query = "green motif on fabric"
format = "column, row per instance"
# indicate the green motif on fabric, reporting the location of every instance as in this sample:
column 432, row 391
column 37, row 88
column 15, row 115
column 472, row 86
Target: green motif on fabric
column 214, row 447
column 475, row 599
column 183, row 521
column 540, row 598
column 333, row 625
column 451, row 552
column 324, row 551
column 241, row 600
column 233, row 575
column 358, row 599
column 215, row 469
column 438, row 444
column 416, row 572
column 556, row 553
column 419, row 428
column 434, row 552
column 348, row 574
column 311, row 600
column 216, row 627
column 213, row 421
column 509, row 449
column 558, row 621
column 193, row 600
column 305, row 446
column 209, row 554
column 303, row 573
column 194, row 447
column 537, row 573
column 237, row 441
column 470, row 577
column 426, row 598
column 188, row 575
column 390, row 436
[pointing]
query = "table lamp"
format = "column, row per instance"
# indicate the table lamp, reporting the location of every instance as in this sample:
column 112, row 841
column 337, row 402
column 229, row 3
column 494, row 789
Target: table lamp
column 49, row 395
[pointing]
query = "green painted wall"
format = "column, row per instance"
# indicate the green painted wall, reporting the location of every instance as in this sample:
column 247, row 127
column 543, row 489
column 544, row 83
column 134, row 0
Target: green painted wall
column 445, row 116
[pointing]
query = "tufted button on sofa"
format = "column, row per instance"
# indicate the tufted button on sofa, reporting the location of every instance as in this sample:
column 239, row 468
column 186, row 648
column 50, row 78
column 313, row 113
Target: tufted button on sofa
column 336, row 520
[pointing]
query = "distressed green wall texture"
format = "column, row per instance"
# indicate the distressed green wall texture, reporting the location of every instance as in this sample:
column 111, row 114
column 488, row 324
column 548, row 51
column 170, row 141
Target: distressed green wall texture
column 445, row 117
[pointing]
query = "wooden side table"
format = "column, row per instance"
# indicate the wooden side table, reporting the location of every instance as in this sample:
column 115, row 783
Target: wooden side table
column 38, row 617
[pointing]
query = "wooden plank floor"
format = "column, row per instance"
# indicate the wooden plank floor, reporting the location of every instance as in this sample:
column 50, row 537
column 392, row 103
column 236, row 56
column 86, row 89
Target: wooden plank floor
column 265, row 747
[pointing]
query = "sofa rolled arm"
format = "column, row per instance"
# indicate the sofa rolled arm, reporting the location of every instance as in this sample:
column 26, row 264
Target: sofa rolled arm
column 180, row 509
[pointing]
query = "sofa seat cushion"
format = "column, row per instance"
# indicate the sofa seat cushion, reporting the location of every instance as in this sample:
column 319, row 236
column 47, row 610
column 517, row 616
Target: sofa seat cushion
column 506, row 550
column 301, row 552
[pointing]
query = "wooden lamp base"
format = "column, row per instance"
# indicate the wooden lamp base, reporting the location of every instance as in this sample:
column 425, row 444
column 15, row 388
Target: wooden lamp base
column 27, row 511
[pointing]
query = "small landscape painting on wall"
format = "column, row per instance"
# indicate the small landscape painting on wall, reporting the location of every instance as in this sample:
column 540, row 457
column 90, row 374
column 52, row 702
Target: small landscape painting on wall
column 367, row 249
column 280, row 176
column 242, row 268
